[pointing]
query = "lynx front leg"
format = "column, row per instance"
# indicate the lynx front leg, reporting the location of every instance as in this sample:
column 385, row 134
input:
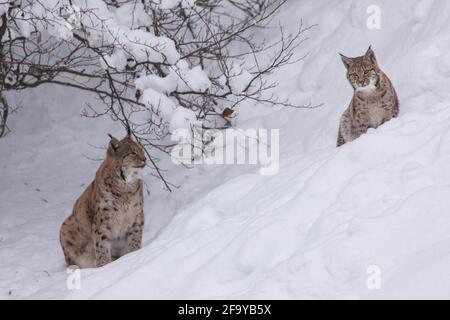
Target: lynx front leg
column 102, row 244
column 353, row 127
column 346, row 131
column 134, row 235
column 361, row 126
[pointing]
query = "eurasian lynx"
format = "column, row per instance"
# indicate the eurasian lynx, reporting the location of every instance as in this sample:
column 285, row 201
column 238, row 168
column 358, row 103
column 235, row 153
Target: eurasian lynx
column 374, row 99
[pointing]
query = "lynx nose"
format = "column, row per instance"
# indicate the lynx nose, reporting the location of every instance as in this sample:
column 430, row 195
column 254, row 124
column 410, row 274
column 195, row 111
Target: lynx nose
column 139, row 164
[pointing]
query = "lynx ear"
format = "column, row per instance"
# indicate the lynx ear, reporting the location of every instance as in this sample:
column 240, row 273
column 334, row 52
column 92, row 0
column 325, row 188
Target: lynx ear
column 346, row 60
column 370, row 56
column 114, row 143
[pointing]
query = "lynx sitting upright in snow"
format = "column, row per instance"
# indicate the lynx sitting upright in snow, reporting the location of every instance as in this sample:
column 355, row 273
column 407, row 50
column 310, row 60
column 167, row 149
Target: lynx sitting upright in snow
column 374, row 99
column 107, row 220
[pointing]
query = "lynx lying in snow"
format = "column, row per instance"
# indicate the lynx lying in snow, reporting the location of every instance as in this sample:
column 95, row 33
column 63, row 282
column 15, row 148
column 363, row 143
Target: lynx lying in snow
column 107, row 220
column 374, row 99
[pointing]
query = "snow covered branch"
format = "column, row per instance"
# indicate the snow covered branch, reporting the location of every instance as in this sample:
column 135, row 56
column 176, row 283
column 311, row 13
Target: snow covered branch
column 155, row 65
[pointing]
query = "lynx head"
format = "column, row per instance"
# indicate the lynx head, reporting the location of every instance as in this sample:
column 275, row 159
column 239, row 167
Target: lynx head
column 128, row 156
column 363, row 72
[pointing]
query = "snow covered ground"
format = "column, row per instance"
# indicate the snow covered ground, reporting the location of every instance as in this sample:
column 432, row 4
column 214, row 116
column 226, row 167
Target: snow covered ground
column 310, row 231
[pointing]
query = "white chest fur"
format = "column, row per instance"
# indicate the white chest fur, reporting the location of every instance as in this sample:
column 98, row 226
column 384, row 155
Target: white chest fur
column 376, row 116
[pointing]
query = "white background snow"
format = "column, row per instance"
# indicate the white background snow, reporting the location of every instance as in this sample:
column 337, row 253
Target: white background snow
column 310, row 231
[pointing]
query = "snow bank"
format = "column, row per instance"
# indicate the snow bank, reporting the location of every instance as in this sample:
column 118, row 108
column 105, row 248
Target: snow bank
column 328, row 216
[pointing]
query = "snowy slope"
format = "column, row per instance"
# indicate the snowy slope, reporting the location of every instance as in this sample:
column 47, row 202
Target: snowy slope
column 311, row 231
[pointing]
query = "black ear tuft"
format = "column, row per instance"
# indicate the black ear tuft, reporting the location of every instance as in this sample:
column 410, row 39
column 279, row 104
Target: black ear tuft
column 114, row 143
column 370, row 56
column 346, row 60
